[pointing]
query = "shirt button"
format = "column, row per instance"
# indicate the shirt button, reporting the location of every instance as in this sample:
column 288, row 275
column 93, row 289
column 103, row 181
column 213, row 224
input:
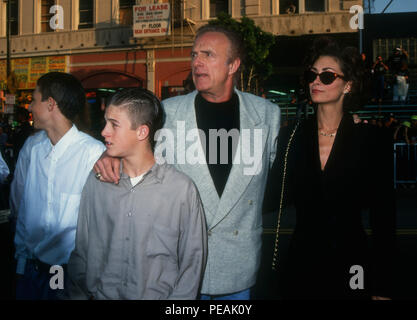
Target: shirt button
column 235, row 232
column 209, row 233
column 129, row 214
column 250, row 202
column 132, row 190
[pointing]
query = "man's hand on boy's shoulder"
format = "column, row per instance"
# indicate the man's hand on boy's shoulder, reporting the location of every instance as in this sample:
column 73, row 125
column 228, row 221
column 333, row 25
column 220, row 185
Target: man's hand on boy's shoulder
column 107, row 169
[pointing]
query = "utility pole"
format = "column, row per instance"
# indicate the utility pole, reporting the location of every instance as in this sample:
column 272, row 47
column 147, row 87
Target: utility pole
column 8, row 14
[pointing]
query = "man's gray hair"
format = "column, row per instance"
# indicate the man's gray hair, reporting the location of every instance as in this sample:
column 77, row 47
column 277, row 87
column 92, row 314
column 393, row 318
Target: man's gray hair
column 236, row 44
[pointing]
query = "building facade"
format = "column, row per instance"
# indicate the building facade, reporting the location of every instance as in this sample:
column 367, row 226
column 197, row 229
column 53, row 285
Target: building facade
column 93, row 39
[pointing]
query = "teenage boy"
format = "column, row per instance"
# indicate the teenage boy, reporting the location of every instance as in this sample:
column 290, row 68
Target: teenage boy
column 50, row 174
column 144, row 238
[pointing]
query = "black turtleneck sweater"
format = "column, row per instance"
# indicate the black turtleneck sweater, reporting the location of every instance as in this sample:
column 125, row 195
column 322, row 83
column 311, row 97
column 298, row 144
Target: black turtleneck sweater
column 224, row 115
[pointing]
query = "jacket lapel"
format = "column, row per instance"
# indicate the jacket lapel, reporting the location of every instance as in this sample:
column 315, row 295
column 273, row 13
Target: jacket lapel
column 243, row 170
column 188, row 148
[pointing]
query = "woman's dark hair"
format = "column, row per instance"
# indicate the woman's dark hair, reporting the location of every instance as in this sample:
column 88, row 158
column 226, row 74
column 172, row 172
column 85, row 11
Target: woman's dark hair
column 351, row 65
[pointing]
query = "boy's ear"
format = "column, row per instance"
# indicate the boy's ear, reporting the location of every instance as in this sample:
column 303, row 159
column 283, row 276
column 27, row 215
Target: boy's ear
column 142, row 132
column 51, row 103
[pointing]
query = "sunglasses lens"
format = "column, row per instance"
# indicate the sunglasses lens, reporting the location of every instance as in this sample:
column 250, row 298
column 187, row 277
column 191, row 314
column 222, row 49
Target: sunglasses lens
column 327, row 77
column 310, row 76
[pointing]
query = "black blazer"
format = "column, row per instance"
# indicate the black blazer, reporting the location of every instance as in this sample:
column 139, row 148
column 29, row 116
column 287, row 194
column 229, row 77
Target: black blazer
column 329, row 203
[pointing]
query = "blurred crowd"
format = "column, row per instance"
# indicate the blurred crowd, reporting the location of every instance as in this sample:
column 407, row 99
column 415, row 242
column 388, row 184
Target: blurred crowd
column 390, row 79
column 401, row 131
column 13, row 135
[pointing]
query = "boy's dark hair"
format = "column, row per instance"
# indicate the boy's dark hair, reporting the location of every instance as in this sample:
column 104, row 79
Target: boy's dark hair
column 65, row 89
column 351, row 65
column 143, row 108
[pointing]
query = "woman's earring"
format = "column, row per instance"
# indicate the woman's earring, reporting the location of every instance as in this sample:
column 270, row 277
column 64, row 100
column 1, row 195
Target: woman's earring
column 347, row 90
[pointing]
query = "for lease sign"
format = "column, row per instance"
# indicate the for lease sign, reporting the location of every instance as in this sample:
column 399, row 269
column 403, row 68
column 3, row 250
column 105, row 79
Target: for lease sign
column 151, row 20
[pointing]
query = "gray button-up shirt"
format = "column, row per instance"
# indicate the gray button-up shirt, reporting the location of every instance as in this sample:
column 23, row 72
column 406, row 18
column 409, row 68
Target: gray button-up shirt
column 143, row 242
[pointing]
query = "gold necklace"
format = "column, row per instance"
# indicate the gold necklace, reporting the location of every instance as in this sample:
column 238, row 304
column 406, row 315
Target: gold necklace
column 324, row 134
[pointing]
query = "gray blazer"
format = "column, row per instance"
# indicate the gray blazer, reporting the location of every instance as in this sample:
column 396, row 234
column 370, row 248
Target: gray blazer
column 234, row 221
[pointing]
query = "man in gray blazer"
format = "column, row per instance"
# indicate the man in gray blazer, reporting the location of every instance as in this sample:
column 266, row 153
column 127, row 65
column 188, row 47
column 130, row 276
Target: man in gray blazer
column 230, row 176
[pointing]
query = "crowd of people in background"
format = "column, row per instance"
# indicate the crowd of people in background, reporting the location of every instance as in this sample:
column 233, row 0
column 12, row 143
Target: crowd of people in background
column 12, row 138
column 401, row 131
column 13, row 135
column 393, row 73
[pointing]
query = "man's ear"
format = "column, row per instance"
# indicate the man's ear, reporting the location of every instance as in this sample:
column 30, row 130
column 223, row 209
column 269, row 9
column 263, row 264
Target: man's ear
column 234, row 66
column 142, row 132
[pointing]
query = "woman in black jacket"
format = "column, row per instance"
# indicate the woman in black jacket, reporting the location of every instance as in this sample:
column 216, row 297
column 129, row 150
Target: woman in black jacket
column 332, row 169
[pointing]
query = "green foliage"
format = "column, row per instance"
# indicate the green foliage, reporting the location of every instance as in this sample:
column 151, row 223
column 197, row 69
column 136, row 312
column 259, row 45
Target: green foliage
column 257, row 44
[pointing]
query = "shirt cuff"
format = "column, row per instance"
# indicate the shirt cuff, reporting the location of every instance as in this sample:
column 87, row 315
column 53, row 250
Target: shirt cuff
column 21, row 264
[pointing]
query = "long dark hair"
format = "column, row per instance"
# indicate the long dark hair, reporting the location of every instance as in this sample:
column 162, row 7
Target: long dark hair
column 351, row 65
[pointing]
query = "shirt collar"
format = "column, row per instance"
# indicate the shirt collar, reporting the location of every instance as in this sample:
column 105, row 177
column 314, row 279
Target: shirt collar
column 56, row 151
column 156, row 171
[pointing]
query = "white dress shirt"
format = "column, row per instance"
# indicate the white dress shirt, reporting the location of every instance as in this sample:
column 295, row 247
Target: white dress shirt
column 4, row 170
column 45, row 195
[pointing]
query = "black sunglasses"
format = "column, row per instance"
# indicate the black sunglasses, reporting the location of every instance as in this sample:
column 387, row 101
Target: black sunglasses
column 326, row 77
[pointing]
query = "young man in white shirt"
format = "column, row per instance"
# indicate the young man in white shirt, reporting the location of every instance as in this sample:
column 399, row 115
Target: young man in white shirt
column 50, row 174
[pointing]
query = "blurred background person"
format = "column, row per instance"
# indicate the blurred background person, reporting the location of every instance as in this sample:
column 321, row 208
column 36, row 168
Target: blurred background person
column 401, row 132
column 22, row 131
column 402, row 84
column 373, row 121
column 396, row 61
column 3, row 139
column 413, row 129
column 356, row 118
column 4, row 170
column 379, row 68
column 4, row 174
